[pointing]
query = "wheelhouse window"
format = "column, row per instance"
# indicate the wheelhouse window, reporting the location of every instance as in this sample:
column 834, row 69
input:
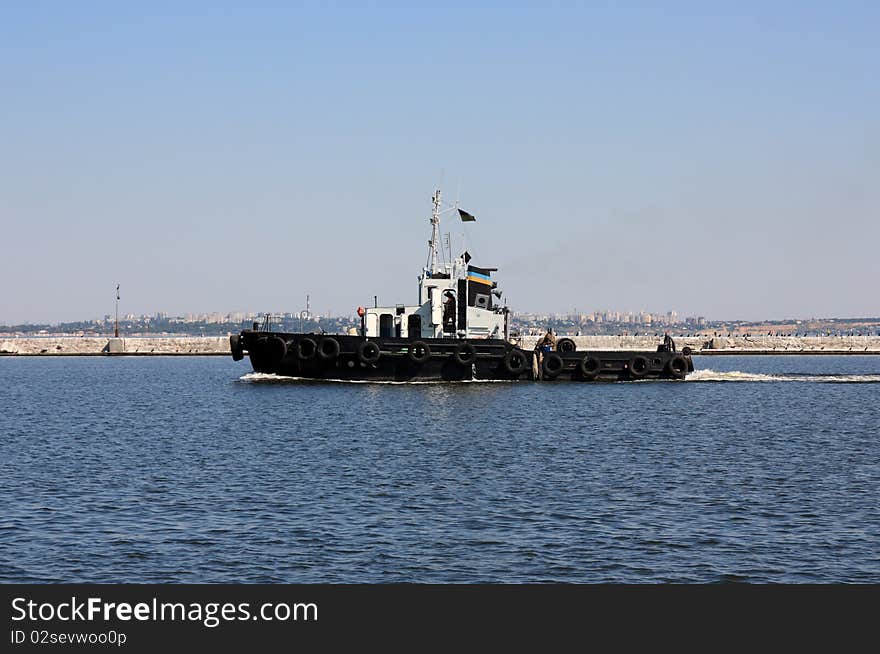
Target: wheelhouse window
column 386, row 325
column 414, row 326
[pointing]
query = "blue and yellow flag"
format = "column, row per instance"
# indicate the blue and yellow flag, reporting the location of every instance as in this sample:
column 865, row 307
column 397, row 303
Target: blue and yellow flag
column 479, row 275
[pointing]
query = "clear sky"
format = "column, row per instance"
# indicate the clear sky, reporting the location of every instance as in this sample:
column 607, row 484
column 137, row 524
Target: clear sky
column 720, row 159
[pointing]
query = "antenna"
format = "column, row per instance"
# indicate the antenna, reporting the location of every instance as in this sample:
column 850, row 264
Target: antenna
column 434, row 243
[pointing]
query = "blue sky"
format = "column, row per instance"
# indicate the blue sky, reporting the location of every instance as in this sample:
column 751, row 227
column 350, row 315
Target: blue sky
column 719, row 159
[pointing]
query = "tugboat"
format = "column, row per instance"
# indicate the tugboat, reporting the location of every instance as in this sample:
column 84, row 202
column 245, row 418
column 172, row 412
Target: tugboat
column 458, row 331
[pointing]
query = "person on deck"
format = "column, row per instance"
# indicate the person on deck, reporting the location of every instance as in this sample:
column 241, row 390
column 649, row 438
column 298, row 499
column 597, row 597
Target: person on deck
column 545, row 344
column 449, row 312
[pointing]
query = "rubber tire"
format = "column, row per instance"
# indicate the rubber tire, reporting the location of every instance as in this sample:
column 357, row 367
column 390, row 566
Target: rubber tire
column 566, row 345
column 414, row 347
column 235, row 347
column 273, row 347
column 638, row 367
column 551, row 371
column 307, row 352
column 465, row 354
column 586, row 369
column 508, row 361
column 687, row 351
column 368, row 352
column 334, row 348
column 677, row 367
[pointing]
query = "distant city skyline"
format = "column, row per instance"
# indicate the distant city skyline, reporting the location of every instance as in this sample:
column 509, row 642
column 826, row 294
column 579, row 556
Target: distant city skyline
column 718, row 159
column 669, row 317
column 226, row 316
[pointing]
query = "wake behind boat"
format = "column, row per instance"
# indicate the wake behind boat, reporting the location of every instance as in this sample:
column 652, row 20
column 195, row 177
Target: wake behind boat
column 457, row 331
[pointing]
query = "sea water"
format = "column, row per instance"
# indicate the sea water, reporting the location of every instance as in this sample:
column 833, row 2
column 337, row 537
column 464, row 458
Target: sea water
column 151, row 469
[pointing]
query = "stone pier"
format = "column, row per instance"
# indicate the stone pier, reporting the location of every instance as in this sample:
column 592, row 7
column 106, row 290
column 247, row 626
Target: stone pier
column 104, row 346
column 731, row 345
column 219, row 345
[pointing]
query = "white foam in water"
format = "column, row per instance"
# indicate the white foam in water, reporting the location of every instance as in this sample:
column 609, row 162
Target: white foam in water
column 269, row 377
column 709, row 375
column 703, row 375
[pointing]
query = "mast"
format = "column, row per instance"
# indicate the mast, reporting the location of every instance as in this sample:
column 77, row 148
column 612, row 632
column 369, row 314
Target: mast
column 434, row 243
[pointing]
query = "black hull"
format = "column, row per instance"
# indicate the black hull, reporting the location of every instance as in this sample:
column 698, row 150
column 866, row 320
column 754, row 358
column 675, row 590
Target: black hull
column 355, row 358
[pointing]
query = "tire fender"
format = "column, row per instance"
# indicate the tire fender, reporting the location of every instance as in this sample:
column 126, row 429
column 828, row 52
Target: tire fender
column 465, row 354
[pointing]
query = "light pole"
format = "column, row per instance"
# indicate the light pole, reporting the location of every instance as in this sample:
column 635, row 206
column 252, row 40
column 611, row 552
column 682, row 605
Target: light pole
column 116, row 329
column 306, row 314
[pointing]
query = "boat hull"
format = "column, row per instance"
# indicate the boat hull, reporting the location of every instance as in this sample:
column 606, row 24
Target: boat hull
column 355, row 358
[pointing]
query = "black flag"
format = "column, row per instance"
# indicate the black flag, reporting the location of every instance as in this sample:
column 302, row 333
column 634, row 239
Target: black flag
column 466, row 217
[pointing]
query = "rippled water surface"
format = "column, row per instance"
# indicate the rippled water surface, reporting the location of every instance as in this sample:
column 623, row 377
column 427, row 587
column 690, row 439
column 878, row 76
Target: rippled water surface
column 191, row 470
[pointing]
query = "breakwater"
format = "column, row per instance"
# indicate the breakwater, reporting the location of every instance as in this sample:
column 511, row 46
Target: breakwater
column 219, row 345
column 98, row 346
column 709, row 345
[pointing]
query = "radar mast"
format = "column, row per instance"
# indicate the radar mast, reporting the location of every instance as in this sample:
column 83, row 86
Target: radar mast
column 434, row 243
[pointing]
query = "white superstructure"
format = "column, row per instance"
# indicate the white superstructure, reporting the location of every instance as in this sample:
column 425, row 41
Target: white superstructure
column 456, row 299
